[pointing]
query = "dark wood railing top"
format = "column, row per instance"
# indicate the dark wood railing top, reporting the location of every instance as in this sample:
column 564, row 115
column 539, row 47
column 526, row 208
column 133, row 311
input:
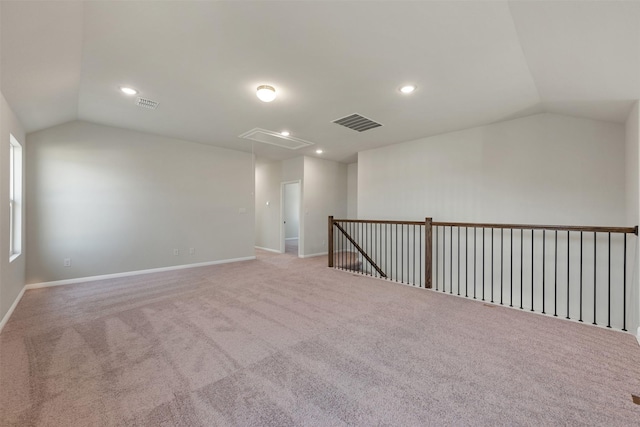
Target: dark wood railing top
column 371, row 221
column 587, row 229
column 594, row 229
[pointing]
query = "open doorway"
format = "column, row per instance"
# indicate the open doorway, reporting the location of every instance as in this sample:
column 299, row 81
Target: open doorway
column 290, row 218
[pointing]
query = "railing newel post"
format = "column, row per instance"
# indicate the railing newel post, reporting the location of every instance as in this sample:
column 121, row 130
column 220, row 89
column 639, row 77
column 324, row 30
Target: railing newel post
column 428, row 243
column 330, row 241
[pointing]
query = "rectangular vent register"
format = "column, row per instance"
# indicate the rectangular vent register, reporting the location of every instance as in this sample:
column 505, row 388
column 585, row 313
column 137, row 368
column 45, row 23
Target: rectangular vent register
column 357, row 122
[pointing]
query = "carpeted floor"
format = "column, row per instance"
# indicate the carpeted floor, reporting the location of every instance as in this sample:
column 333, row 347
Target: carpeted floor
column 291, row 246
column 284, row 341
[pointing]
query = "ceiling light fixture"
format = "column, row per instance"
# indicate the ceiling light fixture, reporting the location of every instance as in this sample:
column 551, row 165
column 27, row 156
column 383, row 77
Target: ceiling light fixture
column 128, row 90
column 266, row 93
column 318, row 151
column 285, row 133
column 407, row 89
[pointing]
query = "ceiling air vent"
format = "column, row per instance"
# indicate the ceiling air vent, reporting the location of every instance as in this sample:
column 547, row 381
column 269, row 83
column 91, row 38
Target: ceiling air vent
column 274, row 138
column 147, row 103
column 357, row 122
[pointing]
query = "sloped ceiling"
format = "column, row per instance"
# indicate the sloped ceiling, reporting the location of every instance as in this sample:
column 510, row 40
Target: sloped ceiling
column 473, row 62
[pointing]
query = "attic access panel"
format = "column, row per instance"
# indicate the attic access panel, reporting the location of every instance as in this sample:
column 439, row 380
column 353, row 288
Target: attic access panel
column 274, row 138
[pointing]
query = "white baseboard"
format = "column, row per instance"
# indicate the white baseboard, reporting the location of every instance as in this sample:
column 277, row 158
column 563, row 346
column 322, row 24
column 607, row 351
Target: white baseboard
column 132, row 273
column 6, row 317
column 312, row 255
column 268, row 249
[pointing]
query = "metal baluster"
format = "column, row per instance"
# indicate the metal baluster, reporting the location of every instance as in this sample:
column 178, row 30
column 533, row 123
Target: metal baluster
column 397, row 255
column 483, row 262
column 609, row 286
column 363, row 267
column 624, row 286
column 451, row 261
column 474, row 262
column 361, row 236
column 345, row 250
column 555, row 277
column 420, row 256
column 580, row 320
column 466, row 261
column 532, row 270
column 378, row 237
column 437, row 254
column 511, row 271
column 569, row 271
column 544, row 244
column 367, row 228
column 595, row 265
column 521, row 265
column 501, row 265
column 349, row 246
column 458, row 260
column 408, row 252
column 444, row 258
column 339, row 248
column 343, row 241
column 386, row 249
column 414, row 256
column 402, row 253
column 411, row 259
column 492, row 265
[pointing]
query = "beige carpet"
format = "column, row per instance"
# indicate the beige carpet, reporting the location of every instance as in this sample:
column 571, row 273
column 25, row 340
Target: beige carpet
column 284, row 341
column 291, row 246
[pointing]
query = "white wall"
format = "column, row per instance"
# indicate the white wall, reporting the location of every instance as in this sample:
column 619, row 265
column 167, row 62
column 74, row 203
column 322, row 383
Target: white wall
column 545, row 169
column 324, row 194
column 268, row 176
column 633, row 200
column 115, row 200
column 542, row 169
column 352, row 191
column 293, row 169
column 12, row 275
column 292, row 210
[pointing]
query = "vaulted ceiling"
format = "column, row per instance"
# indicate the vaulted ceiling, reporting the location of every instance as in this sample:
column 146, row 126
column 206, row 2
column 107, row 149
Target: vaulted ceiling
column 474, row 63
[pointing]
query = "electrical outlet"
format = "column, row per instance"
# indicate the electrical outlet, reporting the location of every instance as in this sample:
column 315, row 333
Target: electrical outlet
column 192, row 251
column 176, row 252
column 67, row 262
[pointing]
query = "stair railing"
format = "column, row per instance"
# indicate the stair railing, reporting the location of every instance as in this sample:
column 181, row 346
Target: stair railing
column 575, row 272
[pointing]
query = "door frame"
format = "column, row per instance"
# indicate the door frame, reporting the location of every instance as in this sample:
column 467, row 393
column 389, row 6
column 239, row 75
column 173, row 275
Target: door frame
column 282, row 207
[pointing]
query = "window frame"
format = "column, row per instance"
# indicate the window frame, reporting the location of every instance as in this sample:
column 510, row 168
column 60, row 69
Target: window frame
column 15, row 198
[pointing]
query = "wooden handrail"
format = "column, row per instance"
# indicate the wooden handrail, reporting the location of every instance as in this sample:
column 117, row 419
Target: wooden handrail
column 587, row 229
column 371, row 221
column 596, row 229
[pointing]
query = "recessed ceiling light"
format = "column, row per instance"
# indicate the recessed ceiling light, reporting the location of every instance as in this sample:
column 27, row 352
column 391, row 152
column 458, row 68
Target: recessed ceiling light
column 266, row 93
column 128, row 90
column 407, row 88
column 285, row 133
column 318, row 151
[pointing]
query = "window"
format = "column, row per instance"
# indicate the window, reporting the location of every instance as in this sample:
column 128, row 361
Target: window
column 15, row 198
